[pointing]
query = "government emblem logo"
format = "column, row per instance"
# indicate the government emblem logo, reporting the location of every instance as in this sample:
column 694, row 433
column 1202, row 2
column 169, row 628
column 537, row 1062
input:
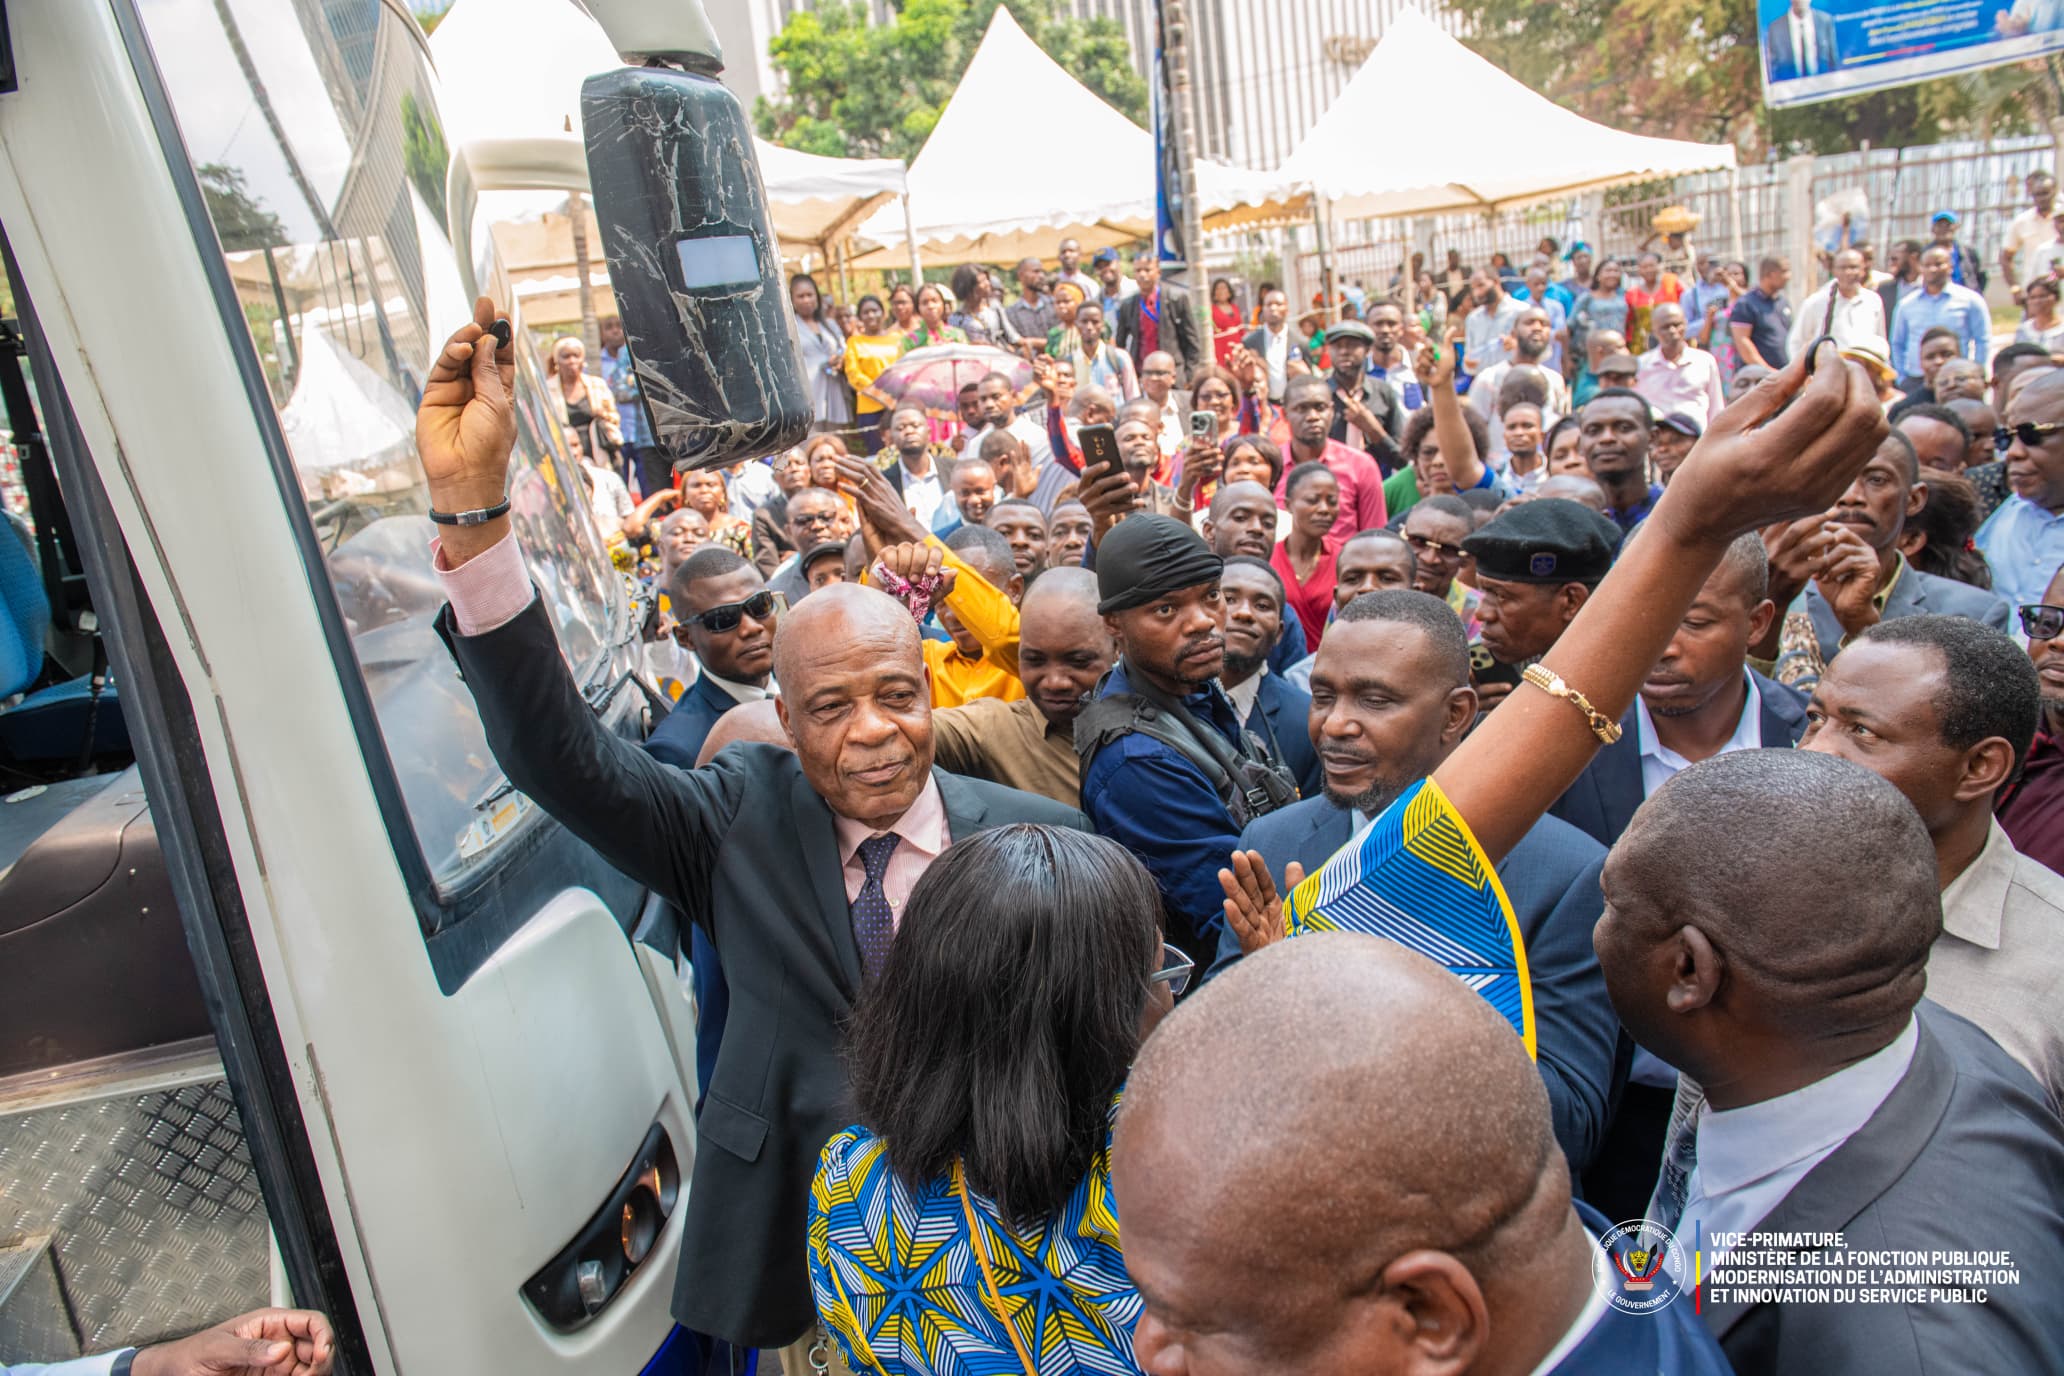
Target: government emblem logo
column 1636, row 1267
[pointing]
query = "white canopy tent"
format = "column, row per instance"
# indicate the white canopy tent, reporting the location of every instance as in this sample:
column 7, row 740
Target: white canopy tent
column 1097, row 187
column 512, row 70
column 1494, row 142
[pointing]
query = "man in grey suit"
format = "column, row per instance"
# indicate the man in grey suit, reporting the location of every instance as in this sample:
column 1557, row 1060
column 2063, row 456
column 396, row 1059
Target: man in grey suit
column 795, row 863
column 1848, row 565
column 1836, row 1099
column 1800, row 42
column 1391, row 700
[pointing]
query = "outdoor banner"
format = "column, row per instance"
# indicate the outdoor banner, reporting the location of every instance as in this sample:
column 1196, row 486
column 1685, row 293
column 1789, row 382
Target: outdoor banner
column 1820, row 49
column 1168, row 200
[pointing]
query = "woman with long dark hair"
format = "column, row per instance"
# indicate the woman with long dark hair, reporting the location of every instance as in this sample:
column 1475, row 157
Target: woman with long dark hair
column 986, row 1062
column 824, row 354
column 1228, row 323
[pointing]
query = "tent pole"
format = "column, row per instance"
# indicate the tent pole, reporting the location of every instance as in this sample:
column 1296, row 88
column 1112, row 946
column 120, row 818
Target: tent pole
column 845, row 279
column 910, row 234
column 1734, row 210
column 1322, row 213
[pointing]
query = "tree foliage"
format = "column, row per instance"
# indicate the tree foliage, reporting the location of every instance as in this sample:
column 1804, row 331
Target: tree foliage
column 860, row 90
column 1691, row 69
column 241, row 219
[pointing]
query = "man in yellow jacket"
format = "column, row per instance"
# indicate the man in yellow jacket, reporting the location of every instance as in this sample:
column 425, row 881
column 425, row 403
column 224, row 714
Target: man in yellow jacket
column 977, row 607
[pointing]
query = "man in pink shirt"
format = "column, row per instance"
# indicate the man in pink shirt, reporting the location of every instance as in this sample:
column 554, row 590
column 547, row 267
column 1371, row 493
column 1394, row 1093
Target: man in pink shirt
column 796, row 865
column 1308, row 411
column 1676, row 377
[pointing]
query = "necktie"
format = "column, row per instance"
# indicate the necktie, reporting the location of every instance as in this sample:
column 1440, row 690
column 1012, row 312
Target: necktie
column 1680, row 1155
column 874, row 922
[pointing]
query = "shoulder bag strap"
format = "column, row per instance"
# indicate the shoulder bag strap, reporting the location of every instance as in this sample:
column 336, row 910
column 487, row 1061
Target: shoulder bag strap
column 995, row 1296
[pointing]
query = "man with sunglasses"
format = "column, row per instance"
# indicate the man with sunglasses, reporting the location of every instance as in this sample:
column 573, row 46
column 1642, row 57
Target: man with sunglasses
column 2023, row 541
column 724, row 613
column 1435, row 530
column 812, row 520
column 1847, row 561
column 1391, row 699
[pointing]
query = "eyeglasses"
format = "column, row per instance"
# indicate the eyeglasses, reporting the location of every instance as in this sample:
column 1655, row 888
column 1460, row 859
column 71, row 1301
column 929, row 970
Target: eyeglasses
column 1427, row 545
column 1174, row 972
column 726, row 617
column 2042, row 622
column 2028, row 432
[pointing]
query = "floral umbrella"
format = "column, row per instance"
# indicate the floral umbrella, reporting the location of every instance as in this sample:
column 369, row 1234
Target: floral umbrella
column 932, row 377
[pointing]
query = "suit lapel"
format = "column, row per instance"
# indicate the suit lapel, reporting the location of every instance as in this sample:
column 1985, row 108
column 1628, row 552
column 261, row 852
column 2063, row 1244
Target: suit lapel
column 1331, row 828
column 1619, row 777
column 966, row 813
column 1856, row 1173
column 818, row 841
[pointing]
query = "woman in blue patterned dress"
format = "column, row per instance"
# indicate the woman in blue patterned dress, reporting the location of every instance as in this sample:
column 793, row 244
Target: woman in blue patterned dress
column 966, row 1227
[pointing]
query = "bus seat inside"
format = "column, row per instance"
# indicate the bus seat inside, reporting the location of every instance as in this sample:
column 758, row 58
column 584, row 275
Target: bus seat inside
column 51, row 722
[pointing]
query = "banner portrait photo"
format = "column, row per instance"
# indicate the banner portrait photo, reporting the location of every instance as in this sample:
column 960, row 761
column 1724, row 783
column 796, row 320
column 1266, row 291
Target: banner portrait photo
column 1819, row 49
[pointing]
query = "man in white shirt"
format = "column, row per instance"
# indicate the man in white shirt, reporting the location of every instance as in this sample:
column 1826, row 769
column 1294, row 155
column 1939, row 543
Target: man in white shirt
column 2030, row 232
column 1945, row 709
column 1157, row 384
column 1674, row 376
column 999, row 402
column 915, row 474
column 1767, row 922
column 1071, row 270
column 1859, row 313
column 1489, row 323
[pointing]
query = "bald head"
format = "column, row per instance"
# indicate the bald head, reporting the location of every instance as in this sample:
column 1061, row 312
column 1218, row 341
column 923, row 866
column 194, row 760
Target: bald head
column 1317, row 1179
column 749, row 723
column 1063, row 645
column 1574, row 487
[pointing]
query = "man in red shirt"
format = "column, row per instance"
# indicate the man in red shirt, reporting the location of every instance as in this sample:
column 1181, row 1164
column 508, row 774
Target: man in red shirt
column 1308, row 409
column 1159, row 318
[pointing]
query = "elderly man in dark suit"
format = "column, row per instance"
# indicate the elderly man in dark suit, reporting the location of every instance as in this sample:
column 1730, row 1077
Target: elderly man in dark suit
column 1836, row 1099
column 796, row 863
column 1390, row 700
column 1159, row 317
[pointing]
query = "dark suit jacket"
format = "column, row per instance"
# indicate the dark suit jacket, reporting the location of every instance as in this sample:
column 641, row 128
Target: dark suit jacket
column 1256, row 343
column 1178, row 333
column 746, row 849
column 1915, row 594
column 1603, row 799
column 679, row 736
column 1965, row 1155
column 1777, row 44
column 770, row 540
column 1551, row 876
column 1282, row 717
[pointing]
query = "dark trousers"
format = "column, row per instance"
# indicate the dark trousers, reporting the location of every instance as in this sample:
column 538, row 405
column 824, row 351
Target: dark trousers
column 655, row 471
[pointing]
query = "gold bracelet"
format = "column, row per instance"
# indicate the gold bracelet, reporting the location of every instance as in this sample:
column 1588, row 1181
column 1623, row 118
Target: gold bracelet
column 1550, row 682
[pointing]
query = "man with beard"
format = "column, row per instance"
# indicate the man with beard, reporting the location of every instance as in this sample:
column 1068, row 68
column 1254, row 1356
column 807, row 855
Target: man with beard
column 1178, row 809
column 1391, row 700
column 1270, row 706
column 1532, row 338
column 915, row 473
column 1613, row 434
column 1848, row 564
column 1367, row 414
column 1063, row 650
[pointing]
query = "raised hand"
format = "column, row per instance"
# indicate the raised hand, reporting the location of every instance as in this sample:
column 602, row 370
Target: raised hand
column 466, row 429
column 264, row 1342
column 1848, row 579
column 1108, row 495
column 1253, row 911
column 1786, row 450
column 884, row 520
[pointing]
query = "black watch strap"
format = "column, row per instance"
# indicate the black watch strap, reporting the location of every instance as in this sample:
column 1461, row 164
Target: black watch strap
column 123, row 1362
column 478, row 516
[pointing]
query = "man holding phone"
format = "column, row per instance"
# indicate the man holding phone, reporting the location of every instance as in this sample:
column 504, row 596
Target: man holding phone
column 1367, row 414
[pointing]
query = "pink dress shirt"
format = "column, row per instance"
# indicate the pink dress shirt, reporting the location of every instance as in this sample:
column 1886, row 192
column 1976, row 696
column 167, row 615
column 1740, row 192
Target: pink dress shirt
column 491, row 588
column 1361, row 489
column 1690, row 385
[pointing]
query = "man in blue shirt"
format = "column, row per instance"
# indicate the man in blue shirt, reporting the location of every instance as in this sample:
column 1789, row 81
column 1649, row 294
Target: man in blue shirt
column 641, row 457
column 2023, row 541
column 1613, row 433
column 1938, row 302
column 1762, row 319
column 1159, row 597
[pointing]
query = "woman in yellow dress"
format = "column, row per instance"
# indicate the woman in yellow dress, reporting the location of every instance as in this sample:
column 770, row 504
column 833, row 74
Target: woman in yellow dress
column 869, row 352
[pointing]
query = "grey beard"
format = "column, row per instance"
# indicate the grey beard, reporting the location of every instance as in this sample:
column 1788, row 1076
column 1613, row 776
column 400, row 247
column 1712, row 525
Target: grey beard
column 1240, row 668
column 1370, row 801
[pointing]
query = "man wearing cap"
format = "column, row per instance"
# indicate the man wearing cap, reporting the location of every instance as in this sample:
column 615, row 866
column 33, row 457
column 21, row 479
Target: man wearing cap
column 1367, row 414
column 1939, row 302
column 1536, row 567
column 1965, row 268
column 1675, row 376
column 1114, row 285
column 1617, row 372
column 1670, row 441
column 1180, row 811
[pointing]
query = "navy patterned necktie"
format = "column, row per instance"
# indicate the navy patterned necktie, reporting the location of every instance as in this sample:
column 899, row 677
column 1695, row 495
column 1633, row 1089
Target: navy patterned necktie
column 1680, row 1155
column 874, row 922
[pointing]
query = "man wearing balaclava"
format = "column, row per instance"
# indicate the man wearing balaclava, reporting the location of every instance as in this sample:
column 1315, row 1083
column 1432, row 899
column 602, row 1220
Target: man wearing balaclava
column 1180, row 810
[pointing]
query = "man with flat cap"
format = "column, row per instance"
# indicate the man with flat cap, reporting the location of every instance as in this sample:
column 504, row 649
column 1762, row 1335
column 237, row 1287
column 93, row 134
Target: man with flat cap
column 1167, row 769
column 1673, row 438
column 1367, row 414
column 1536, row 566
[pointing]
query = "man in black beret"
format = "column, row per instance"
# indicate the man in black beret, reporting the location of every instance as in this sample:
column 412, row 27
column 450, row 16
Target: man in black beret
column 1536, row 565
column 1167, row 770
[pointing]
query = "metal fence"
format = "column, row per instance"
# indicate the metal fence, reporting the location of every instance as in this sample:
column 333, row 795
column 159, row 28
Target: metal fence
column 1983, row 182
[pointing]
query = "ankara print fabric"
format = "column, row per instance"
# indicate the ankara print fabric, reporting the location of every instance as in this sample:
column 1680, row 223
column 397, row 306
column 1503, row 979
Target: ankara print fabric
column 898, row 1280
column 1417, row 876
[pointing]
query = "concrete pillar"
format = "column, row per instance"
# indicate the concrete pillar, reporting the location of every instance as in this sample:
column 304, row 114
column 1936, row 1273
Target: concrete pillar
column 1798, row 223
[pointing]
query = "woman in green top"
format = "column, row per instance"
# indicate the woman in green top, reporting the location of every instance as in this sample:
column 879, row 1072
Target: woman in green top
column 931, row 321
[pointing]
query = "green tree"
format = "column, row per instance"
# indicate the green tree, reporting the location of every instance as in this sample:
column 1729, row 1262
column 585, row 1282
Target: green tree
column 241, row 219
column 858, row 90
column 1692, row 69
column 424, row 154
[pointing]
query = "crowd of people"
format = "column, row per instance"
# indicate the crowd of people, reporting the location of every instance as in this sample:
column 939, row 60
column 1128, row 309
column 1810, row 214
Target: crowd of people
column 995, row 756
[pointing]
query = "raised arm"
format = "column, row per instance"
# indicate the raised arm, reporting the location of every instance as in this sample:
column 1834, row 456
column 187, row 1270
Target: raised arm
column 1435, row 367
column 1786, row 450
